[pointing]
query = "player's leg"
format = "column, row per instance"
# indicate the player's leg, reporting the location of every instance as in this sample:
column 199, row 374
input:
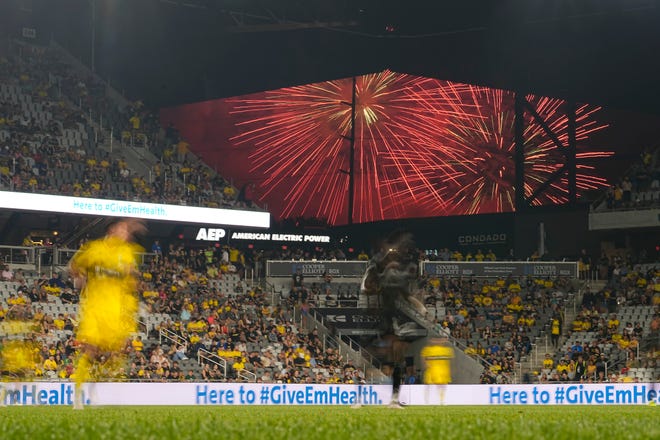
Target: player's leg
column 397, row 376
column 3, row 392
column 358, row 398
column 83, row 373
column 442, row 391
column 428, row 385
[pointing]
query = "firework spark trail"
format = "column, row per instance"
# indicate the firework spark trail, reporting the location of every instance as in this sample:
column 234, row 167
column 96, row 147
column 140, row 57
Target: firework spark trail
column 423, row 147
column 491, row 183
column 382, row 147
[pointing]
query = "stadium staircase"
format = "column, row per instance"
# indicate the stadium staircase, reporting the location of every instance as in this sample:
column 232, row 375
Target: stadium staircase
column 532, row 364
column 84, row 229
column 617, row 358
column 648, row 347
column 349, row 349
column 139, row 160
column 138, row 156
column 166, row 339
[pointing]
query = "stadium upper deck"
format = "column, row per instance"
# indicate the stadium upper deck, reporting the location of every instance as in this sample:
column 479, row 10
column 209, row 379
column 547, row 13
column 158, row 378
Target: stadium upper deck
column 51, row 140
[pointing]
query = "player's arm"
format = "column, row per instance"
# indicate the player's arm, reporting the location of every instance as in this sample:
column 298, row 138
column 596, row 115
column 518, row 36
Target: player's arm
column 134, row 267
column 369, row 284
column 77, row 271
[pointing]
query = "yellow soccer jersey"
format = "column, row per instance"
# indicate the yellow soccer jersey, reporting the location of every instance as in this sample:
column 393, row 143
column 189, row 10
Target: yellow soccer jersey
column 438, row 363
column 108, row 303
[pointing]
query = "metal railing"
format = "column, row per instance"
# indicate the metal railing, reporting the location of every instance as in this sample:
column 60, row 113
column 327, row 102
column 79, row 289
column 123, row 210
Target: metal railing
column 370, row 359
column 6, row 182
column 133, row 139
column 536, row 345
column 274, row 296
column 362, row 358
column 143, row 325
column 170, row 336
column 246, row 375
column 62, row 256
column 35, row 256
column 212, row 358
column 589, row 275
column 18, row 255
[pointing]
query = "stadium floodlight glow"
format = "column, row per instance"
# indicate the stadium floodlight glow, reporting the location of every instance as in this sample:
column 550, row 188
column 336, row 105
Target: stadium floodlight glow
column 123, row 208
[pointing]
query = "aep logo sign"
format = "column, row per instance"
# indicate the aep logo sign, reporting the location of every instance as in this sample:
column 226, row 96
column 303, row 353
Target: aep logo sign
column 210, row 234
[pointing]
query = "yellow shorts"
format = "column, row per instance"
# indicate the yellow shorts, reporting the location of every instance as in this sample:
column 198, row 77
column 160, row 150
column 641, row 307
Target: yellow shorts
column 107, row 317
column 434, row 376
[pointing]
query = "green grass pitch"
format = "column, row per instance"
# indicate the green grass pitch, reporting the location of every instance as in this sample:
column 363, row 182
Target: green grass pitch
column 331, row 422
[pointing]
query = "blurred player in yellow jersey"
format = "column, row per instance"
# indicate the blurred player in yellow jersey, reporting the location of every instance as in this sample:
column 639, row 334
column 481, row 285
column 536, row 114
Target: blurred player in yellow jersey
column 19, row 353
column 437, row 356
column 106, row 270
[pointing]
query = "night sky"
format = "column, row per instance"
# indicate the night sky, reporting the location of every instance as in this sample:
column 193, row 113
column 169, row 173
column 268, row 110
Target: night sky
column 601, row 51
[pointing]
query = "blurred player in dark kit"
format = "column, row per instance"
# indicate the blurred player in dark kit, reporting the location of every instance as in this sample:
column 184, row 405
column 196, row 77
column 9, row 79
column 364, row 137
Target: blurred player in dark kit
column 389, row 277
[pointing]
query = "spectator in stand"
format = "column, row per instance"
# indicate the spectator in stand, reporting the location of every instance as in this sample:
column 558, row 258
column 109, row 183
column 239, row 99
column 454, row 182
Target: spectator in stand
column 38, row 152
column 655, row 329
column 626, row 192
column 555, row 330
column 135, row 122
column 584, row 263
column 601, row 368
column 580, row 368
column 576, row 350
column 182, row 148
column 7, row 274
column 156, row 248
column 179, row 353
column 50, row 367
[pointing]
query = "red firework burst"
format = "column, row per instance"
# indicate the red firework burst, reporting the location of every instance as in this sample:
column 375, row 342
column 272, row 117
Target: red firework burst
column 486, row 182
column 423, row 147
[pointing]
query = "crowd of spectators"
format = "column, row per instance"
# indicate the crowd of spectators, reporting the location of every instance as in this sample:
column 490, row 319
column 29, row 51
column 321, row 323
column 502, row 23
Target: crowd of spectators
column 241, row 325
column 200, row 298
column 57, row 149
column 494, row 320
column 640, row 188
column 602, row 348
column 202, row 303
